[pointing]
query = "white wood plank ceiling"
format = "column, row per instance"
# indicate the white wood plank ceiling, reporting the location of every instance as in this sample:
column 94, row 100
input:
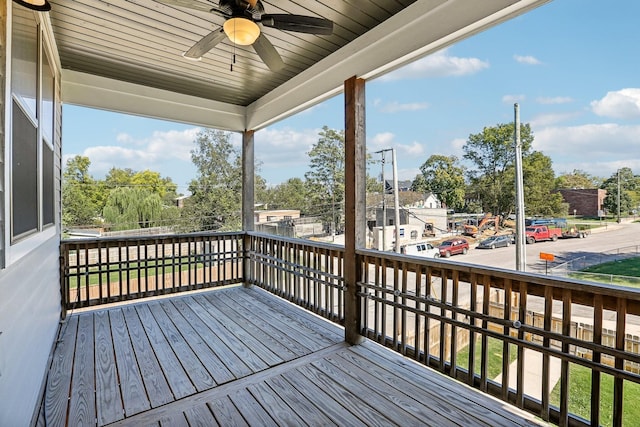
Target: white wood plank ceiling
column 126, row 55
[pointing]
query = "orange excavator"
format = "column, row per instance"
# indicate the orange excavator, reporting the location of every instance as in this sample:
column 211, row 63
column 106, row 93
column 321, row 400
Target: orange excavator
column 487, row 221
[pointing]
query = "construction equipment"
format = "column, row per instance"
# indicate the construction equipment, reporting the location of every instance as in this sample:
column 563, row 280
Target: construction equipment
column 486, row 222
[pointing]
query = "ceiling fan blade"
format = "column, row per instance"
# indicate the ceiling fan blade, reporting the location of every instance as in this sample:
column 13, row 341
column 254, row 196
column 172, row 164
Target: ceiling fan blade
column 205, row 44
column 195, row 5
column 268, row 53
column 298, row 23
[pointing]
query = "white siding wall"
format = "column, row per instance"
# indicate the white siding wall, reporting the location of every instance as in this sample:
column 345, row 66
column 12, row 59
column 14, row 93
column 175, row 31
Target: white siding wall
column 29, row 315
column 29, row 285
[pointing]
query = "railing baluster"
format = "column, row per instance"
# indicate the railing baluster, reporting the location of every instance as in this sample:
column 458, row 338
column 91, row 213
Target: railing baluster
column 546, row 359
column 522, row 316
column 564, row 365
column 454, row 329
column 444, row 286
column 473, row 307
column 596, row 357
column 484, row 358
column 618, row 382
column 506, row 330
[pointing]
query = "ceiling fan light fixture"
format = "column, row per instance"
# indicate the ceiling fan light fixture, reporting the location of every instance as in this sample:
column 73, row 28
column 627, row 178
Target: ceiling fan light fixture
column 37, row 5
column 241, row 31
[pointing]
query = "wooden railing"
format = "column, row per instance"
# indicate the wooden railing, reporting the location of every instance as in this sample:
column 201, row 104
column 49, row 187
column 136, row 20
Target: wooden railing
column 528, row 339
column 100, row 271
column 304, row 272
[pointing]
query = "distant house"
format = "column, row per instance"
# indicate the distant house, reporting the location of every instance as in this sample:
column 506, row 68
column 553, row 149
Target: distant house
column 586, row 202
column 422, row 218
column 288, row 223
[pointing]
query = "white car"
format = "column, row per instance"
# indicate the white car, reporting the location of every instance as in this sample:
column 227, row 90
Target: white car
column 425, row 250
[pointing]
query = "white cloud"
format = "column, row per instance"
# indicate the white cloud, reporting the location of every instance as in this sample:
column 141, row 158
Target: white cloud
column 103, row 158
column 124, row 138
column 438, row 64
column 592, row 147
column 395, row 107
column 591, row 142
column 622, row 104
column 554, row 100
column 385, row 140
column 551, row 119
column 457, row 145
column 527, row 59
column 510, row 99
column 286, row 147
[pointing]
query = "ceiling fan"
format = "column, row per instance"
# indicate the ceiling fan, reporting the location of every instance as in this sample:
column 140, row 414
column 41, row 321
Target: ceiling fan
column 241, row 27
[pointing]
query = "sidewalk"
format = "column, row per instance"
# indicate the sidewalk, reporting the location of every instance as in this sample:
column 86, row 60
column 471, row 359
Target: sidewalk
column 533, row 373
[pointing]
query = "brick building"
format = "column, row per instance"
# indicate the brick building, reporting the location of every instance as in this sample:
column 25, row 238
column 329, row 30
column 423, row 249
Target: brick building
column 587, row 202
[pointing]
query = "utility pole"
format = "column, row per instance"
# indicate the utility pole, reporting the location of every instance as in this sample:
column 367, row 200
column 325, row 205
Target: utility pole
column 396, row 200
column 384, row 205
column 396, row 245
column 521, row 256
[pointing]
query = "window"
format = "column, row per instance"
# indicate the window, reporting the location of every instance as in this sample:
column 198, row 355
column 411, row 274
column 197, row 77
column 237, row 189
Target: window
column 48, row 187
column 24, row 174
column 32, row 151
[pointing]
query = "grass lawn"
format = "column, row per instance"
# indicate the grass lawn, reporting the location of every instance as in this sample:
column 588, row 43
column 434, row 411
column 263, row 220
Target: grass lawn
column 136, row 270
column 580, row 397
column 627, row 267
column 495, row 356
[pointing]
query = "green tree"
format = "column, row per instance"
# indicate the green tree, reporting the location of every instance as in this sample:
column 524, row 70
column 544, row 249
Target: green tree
column 216, row 192
column 325, row 179
column 129, row 208
column 539, row 180
column 628, row 187
column 444, row 177
column 80, row 201
column 492, row 154
column 577, row 179
column 291, row 194
column 119, row 177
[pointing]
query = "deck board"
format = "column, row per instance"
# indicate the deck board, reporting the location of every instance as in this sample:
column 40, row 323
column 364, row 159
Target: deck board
column 243, row 357
column 82, row 408
column 132, row 387
column 59, row 380
column 154, row 380
column 198, row 374
column 173, row 370
column 108, row 397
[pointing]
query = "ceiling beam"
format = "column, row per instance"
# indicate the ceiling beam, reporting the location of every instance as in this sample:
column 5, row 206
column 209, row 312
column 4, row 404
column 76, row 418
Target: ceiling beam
column 99, row 92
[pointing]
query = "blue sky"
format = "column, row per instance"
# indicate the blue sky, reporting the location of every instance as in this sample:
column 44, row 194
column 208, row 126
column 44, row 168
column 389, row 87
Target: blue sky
column 572, row 65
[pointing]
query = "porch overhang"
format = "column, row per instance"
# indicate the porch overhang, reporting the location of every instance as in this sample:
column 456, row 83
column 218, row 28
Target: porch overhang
column 417, row 30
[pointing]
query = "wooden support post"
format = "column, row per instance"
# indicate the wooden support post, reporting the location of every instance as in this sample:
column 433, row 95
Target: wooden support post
column 248, row 180
column 355, row 203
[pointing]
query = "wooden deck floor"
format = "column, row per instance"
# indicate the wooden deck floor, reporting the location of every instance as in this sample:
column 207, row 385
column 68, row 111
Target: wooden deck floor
column 241, row 356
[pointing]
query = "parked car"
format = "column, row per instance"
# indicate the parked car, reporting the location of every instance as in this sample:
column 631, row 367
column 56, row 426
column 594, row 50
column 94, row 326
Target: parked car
column 499, row 241
column 453, row 247
column 421, row 249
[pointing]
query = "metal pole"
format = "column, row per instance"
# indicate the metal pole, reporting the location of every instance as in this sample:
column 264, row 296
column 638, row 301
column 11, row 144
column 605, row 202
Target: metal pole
column 384, row 206
column 396, row 201
column 521, row 256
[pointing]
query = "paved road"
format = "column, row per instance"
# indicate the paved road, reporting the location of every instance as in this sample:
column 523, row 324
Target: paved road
column 611, row 238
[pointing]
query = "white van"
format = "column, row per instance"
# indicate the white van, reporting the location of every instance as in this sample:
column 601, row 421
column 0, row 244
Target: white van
column 425, row 250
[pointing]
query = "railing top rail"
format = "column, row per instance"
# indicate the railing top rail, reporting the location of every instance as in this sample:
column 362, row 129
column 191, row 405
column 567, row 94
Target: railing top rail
column 150, row 238
column 303, row 242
